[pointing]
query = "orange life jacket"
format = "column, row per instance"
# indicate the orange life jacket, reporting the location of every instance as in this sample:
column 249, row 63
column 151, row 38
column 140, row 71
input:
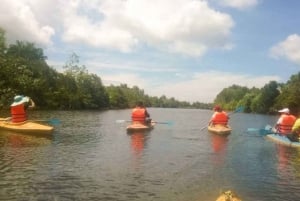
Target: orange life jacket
column 18, row 113
column 286, row 124
column 138, row 115
column 220, row 118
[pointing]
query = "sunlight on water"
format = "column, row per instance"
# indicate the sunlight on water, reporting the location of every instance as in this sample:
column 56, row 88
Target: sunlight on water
column 91, row 157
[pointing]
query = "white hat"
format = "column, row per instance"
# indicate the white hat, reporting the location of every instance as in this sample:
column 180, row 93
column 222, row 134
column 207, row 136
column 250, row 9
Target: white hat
column 19, row 100
column 284, row 110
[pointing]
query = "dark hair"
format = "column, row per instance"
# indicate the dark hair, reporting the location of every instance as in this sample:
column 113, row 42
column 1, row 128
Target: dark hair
column 140, row 103
column 217, row 108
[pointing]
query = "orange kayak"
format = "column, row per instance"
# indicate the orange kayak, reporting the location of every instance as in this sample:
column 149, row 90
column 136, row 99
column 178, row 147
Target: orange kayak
column 26, row 127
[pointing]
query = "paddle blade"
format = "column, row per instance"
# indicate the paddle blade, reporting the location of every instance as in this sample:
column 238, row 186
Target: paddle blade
column 170, row 123
column 265, row 132
column 50, row 121
column 203, row 128
column 122, row 121
column 253, row 129
column 54, row 121
column 239, row 109
column 261, row 131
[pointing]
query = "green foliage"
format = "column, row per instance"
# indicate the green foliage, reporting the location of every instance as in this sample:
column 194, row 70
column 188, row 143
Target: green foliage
column 229, row 97
column 290, row 94
column 265, row 99
column 117, row 97
column 24, row 70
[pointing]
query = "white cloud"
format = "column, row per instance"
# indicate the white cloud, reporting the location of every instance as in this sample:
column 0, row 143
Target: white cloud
column 288, row 49
column 204, row 87
column 239, row 4
column 188, row 27
column 20, row 23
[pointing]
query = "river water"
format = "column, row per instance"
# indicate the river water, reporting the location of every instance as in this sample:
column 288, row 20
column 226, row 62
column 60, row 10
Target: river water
column 91, row 157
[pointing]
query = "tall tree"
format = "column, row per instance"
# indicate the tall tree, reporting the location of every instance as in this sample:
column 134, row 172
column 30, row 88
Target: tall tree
column 265, row 100
column 290, row 94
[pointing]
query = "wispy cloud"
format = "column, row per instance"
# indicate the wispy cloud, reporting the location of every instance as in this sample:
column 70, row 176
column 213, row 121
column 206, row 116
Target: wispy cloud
column 288, row 49
column 239, row 4
column 204, row 87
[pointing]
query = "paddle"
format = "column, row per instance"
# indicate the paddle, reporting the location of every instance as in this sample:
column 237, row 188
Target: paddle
column 157, row 122
column 262, row 131
column 166, row 122
column 5, row 119
column 239, row 109
column 49, row 121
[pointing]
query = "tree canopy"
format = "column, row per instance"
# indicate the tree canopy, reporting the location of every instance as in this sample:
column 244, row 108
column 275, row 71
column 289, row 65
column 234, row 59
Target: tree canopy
column 24, row 70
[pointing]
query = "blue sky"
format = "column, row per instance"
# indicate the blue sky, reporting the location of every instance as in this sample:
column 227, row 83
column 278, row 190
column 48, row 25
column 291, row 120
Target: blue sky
column 186, row 49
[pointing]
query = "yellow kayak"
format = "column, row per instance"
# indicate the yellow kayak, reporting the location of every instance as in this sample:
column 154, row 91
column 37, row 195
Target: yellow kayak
column 228, row 196
column 139, row 127
column 219, row 129
column 26, row 127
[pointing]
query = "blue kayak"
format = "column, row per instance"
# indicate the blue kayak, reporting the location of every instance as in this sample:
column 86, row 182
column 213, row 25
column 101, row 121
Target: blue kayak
column 283, row 140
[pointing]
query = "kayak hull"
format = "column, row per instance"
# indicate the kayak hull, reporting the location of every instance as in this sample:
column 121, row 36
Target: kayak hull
column 228, row 196
column 27, row 127
column 282, row 140
column 219, row 129
column 139, row 127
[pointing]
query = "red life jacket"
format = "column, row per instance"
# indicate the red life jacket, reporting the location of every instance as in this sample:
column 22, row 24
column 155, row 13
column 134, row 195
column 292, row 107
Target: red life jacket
column 18, row 113
column 220, row 118
column 286, row 124
column 138, row 115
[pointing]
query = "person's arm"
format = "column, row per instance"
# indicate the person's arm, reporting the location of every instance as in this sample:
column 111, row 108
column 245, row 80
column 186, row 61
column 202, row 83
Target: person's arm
column 211, row 119
column 278, row 123
column 147, row 113
column 296, row 127
column 31, row 103
column 227, row 115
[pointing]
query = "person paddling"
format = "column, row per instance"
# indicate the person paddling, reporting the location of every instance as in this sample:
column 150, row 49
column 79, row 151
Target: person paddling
column 219, row 117
column 140, row 114
column 18, row 108
column 285, row 122
column 295, row 134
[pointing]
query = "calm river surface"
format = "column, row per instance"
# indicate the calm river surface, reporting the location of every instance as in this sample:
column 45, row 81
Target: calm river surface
column 91, row 157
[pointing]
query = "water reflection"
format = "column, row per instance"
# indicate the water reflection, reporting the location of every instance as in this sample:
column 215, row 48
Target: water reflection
column 288, row 162
column 287, row 170
column 219, row 145
column 91, row 158
column 138, row 143
column 15, row 139
column 283, row 158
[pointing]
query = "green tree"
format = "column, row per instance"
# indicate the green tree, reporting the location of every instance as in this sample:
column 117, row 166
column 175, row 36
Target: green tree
column 229, row 97
column 264, row 101
column 290, row 94
column 117, row 97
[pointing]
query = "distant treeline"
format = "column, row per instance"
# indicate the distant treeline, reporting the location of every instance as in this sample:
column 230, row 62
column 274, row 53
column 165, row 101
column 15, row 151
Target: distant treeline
column 267, row 100
column 23, row 70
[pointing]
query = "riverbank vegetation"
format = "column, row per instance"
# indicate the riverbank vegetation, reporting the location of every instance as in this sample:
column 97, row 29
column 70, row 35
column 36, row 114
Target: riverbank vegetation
column 24, row 70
